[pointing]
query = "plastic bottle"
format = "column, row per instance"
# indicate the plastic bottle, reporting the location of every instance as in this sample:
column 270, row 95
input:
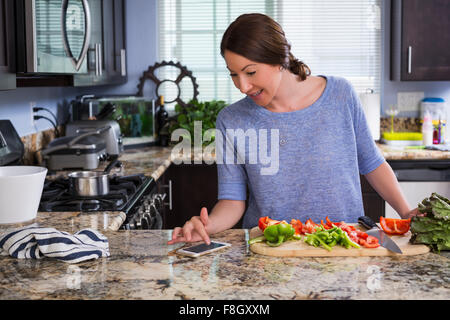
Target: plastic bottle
column 427, row 130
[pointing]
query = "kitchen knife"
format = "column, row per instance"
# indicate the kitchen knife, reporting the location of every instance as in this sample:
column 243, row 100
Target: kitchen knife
column 378, row 233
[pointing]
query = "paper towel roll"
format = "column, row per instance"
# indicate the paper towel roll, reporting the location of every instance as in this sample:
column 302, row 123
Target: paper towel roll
column 371, row 106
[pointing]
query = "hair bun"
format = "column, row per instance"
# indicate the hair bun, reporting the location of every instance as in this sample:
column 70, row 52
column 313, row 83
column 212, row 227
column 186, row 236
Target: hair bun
column 298, row 67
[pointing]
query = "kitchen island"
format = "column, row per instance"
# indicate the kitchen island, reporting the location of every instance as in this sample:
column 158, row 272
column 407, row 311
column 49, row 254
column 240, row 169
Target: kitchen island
column 143, row 266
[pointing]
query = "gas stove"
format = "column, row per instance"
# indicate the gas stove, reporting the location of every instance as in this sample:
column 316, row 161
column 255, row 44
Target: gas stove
column 135, row 195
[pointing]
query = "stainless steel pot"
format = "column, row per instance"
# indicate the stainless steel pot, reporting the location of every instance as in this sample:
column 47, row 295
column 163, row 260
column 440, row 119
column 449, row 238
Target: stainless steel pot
column 92, row 183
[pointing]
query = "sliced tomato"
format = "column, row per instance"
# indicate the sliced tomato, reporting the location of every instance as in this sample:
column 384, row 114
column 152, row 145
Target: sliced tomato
column 264, row 222
column 297, row 225
column 361, row 234
column 395, row 226
column 310, row 226
column 369, row 242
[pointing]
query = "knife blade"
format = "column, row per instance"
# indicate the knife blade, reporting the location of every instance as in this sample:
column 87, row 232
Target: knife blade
column 378, row 233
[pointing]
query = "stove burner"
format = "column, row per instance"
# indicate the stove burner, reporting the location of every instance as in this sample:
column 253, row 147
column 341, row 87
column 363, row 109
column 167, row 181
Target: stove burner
column 135, row 195
column 57, row 195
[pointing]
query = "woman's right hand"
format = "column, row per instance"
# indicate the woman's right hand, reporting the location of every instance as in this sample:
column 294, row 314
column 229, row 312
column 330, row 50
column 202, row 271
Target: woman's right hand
column 193, row 230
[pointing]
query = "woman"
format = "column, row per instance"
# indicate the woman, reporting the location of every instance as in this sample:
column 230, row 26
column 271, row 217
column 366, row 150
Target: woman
column 324, row 140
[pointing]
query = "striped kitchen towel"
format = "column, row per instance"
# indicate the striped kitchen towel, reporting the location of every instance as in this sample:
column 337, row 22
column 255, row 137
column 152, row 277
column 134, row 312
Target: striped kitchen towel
column 37, row 242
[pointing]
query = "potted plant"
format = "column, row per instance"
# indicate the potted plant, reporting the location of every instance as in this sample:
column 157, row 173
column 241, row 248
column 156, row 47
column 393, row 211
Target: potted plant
column 206, row 112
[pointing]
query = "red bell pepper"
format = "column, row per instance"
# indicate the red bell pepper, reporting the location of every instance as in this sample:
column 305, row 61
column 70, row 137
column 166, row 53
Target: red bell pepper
column 395, row 226
column 298, row 226
column 264, row 222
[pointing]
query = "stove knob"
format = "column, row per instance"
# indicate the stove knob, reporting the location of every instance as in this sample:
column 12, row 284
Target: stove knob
column 148, row 220
column 137, row 224
column 157, row 200
column 144, row 223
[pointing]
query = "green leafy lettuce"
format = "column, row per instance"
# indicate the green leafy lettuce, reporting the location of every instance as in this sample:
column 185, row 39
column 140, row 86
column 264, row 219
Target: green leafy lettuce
column 433, row 229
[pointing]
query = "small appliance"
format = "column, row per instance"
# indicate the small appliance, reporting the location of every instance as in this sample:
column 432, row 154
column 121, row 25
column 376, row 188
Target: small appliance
column 112, row 136
column 84, row 151
column 11, row 146
column 53, row 37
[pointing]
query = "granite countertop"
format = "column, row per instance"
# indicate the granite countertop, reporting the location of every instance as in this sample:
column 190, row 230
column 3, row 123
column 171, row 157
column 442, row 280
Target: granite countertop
column 143, row 266
column 402, row 153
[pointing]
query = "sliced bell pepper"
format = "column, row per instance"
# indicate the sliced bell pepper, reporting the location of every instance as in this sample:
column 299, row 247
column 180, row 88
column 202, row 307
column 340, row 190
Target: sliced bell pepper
column 297, row 224
column 264, row 222
column 257, row 239
column 395, row 226
column 310, row 226
column 278, row 233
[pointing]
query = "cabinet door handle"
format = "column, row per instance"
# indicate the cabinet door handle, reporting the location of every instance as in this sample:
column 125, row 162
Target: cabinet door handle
column 123, row 61
column 97, row 72
column 87, row 35
column 98, row 59
column 409, row 58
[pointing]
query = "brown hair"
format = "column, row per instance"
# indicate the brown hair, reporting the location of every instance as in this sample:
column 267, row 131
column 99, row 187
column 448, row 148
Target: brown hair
column 261, row 39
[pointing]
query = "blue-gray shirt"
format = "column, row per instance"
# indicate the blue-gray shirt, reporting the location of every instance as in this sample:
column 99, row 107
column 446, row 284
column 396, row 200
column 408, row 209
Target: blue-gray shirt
column 322, row 149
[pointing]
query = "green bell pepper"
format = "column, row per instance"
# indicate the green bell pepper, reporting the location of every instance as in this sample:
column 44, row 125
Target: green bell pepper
column 329, row 238
column 278, row 233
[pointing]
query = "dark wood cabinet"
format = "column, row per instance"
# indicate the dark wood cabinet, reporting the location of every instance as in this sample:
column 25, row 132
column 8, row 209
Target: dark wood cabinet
column 7, row 35
column 107, row 51
column 193, row 186
column 374, row 204
column 420, row 40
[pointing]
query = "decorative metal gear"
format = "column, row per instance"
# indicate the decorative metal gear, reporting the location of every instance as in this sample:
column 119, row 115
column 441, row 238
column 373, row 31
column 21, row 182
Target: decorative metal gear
column 184, row 72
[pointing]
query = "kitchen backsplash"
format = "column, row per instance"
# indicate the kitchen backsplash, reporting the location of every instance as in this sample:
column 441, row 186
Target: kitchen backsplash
column 401, row 124
column 35, row 142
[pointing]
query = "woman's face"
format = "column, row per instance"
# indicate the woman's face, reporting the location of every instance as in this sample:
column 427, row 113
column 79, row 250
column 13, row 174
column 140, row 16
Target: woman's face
column 257, row 80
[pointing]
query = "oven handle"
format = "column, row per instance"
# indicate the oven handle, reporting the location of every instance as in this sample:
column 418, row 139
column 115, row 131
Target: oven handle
column 87, row 36
column 170, row 194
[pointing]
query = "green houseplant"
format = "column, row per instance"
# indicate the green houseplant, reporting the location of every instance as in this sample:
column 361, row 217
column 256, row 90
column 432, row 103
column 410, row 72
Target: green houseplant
column 206, row 112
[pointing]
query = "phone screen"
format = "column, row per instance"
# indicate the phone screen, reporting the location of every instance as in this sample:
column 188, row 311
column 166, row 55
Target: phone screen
column 203, row 247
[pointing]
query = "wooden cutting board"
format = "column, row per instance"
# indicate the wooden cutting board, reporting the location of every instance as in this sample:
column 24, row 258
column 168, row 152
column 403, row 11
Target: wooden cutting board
column 299, row 248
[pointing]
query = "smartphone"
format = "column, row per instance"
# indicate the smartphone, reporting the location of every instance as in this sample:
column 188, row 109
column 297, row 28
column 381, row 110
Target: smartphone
column 202, row 249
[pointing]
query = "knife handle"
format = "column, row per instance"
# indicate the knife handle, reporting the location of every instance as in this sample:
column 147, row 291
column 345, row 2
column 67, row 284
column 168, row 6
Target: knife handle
column 366, row 222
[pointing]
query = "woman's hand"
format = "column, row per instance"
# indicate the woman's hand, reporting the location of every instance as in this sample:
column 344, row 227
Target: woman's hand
column 412, row 213
column 193, row 230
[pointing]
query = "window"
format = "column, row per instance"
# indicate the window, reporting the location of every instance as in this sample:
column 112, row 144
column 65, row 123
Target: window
column 340, row 38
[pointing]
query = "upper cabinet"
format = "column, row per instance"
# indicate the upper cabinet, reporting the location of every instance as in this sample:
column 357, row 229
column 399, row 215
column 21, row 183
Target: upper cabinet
column 420, row 40
column 7, row 74
column 106, row 58
column 70, row 42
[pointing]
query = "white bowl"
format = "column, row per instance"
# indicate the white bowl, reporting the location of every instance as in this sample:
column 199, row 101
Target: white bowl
column 20, row 192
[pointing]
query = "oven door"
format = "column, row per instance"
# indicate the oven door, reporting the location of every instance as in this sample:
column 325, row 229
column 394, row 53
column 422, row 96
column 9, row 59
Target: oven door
column 57, row 35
